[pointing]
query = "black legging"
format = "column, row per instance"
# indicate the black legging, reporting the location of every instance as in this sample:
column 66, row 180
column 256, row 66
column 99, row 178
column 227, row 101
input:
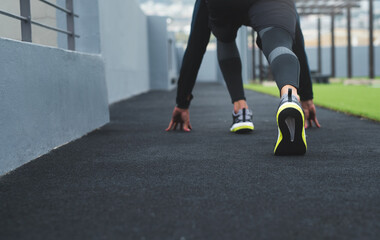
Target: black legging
column 198, row 40
column 276, row 45
column 230, row 65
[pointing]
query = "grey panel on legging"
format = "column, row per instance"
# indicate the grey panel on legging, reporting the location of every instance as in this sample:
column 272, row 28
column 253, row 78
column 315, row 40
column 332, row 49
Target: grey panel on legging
column 230, row 65
column 277, row 47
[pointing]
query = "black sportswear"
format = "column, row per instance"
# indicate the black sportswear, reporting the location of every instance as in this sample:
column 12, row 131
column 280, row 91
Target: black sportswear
column 226, row 16
column 192, row 59
column 196, row 47
column 277, row 45
column 230, row 66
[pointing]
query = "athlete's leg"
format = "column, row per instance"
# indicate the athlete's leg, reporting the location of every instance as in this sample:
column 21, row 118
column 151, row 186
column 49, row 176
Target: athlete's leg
column 230, row 65
column 224, row 23
column 277, row 44
column 277, row 47
column 192, row 59
column 305, row 85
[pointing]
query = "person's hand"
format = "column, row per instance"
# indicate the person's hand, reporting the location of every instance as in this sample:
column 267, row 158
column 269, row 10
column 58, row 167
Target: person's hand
column 310, row 113
column 182, row 117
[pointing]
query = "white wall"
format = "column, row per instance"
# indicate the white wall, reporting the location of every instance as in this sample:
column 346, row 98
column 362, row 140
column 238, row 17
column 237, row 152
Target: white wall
column 124, row 48
column 173, row 72
column 209, row 67
column 360, row 61
column 162, row 55
column 48, row 97
column 87, row 26
column 242, row 43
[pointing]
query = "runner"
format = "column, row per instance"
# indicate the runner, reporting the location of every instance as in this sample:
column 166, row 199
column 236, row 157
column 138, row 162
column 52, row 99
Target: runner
column 225, row 21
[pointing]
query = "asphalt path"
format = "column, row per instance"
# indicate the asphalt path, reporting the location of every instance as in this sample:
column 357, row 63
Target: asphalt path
column 132, row 180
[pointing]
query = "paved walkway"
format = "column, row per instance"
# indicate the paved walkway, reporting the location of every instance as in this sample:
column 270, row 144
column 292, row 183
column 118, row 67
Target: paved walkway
column 132, row 180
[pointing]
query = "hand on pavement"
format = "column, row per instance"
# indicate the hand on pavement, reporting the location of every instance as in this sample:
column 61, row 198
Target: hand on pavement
column 310, row 113
column 182, row 117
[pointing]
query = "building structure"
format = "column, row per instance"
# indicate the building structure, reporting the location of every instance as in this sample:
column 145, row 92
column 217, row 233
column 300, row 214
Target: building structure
column 51, row 95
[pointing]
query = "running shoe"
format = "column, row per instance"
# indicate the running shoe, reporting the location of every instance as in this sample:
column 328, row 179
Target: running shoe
column 242, row 121
column 291, row 127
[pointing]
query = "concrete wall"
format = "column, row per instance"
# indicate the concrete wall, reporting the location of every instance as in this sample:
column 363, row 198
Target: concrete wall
column 48, row 98
column 360, row 60
column 242, row 43
column 52, row 96
column 124, row 48
column 173, row 62
column 209, row 67
column 162, row 55
column 158, row 59
column 135, row 49
column 87, row 26
column 119, row 33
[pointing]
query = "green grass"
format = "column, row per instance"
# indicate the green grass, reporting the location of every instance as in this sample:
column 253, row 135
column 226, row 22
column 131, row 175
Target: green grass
column 360, row 101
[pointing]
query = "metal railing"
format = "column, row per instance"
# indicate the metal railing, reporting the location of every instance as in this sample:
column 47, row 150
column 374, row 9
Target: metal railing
column 26, row 21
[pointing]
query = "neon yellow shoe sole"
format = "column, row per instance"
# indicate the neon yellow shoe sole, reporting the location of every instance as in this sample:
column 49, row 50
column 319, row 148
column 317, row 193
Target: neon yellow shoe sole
column 291, row 130
column 242, row 128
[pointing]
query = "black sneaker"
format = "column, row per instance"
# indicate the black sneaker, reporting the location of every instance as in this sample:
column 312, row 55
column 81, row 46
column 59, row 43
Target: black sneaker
column 291, row 127
column 242, row 121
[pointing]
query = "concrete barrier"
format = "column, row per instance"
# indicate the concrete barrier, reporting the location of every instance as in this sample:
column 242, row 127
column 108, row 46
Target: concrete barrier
column 124, row 47
column 48, row 97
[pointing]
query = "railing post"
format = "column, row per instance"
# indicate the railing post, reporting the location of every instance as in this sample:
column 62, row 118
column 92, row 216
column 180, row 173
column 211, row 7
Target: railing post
column 70, row 25
column 333, row 43
column 26, row 26
column 319, row 49
column 261, row 67
column 349, row 44
column 371, row 47
column 253, row 56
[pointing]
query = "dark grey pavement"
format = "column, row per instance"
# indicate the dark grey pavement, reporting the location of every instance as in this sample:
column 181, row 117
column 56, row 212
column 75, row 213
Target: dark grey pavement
column 132, row 180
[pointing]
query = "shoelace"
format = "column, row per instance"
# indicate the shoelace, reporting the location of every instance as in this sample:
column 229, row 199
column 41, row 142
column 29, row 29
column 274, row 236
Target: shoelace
column 248, row 115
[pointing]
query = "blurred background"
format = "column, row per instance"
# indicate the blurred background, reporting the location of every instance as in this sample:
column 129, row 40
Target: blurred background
column 180, row 13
